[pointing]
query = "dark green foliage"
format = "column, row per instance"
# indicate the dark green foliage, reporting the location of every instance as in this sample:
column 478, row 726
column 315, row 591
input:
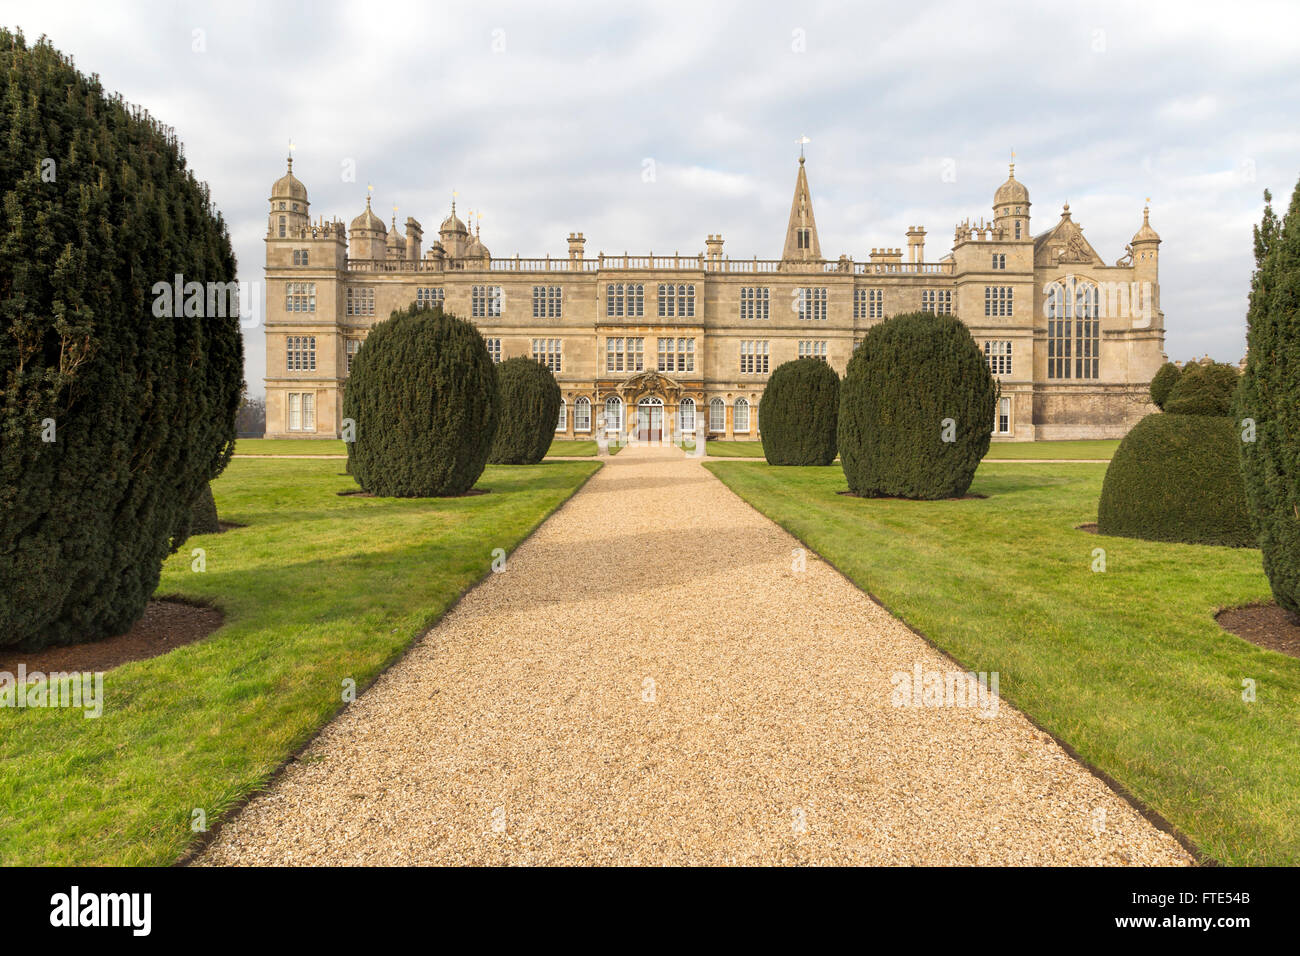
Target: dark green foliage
column 96, row 208
column 1163, row 383
column 423, row 394
column 1203, row 390
column 1176, row 478
column 201, row 518
column 530, row 407
column 800, row 411
column 910, row 374
column 1270, row 397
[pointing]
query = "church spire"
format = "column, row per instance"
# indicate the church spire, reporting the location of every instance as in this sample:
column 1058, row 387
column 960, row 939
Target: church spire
column 801, row 242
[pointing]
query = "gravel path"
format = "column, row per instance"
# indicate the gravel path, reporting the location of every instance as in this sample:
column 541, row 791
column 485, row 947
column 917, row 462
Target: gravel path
column 650, row 681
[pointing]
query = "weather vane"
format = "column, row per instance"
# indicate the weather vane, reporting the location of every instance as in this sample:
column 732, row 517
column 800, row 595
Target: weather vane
column 802, row 140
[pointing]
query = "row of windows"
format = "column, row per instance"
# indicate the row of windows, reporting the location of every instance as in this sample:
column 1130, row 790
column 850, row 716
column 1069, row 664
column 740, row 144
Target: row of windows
column 676, row 355
column 998, row 355
column 547, row 351
column 300, row 257
column 754, row 357
column 300, row 297
column 430, row 297
column 998, row 299
column 1065, row 336
column 300, row 353
column 625, row 355
column 361, row 301
column 938, row 301
column 614, row 420
column 628, row 300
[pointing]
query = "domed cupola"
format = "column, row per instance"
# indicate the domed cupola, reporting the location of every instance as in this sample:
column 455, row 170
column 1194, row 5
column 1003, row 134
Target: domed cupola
column 289, row 207
column 452, row 224
column 1011, row 208
column 396, row 241
column 1146, row 233
column 367, row 235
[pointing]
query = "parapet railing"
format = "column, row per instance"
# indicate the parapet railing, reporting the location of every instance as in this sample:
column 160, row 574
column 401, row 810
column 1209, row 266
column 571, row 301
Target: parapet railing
column 652, row 263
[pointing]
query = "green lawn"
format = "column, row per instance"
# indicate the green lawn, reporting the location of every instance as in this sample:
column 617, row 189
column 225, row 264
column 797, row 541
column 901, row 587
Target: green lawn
column 1096, row 448
column 1128, row 665
column 290, row 446
column 734, row 449
column 573, row 447
column 317, row 589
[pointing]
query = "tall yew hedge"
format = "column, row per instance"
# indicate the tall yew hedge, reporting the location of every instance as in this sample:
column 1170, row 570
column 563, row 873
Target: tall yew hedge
column 800, row 410
column 530, row 407
column 916, row 409
column 1270, row 397
column 114, row 413
column 423, row 397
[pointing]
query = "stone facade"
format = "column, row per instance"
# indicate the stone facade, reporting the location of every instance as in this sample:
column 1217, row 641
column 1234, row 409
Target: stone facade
column 650, row 345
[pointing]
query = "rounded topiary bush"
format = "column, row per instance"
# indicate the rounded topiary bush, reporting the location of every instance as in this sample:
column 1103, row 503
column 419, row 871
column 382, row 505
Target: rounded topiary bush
column 916, row 409
column 1163, row 383
column 1270, row 398
column 1203, row 390
column 118, row 392
column 530, row 407
column 800, row 410
column 423, row 397
column 1176, row 478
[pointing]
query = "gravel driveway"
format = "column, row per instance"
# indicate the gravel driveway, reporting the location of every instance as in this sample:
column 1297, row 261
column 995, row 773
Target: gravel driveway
column 651, row 681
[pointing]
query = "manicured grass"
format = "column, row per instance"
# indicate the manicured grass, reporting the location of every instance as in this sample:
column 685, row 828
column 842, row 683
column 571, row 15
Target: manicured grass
column 1128, row 665
column 317, row 589
column 573, row 447
column 1095, row 448
column 734, row 449
column 290, row 446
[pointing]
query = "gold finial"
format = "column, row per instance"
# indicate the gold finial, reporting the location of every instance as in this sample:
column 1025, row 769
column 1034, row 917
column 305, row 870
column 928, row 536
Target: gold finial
column 801, row 141
column 290, row 154
column 1013, row 164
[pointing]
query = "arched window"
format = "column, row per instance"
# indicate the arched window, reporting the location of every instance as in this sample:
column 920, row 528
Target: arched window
column 741, row 421
column 686, row 415
column 563, row 422
column 717, row 415
column 613, row 414
column 1073, row 329
column 582, row 415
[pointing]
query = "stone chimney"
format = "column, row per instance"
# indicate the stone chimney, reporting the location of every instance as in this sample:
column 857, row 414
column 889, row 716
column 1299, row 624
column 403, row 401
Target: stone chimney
column 714, row 245
column 414, row 235
column 576, row 243
column 915, row 244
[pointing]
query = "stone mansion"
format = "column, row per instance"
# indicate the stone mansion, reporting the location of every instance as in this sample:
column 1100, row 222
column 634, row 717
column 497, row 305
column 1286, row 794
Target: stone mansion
column 649, row 346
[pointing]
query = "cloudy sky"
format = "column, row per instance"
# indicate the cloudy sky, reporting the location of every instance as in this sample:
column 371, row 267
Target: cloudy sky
column 546, row 117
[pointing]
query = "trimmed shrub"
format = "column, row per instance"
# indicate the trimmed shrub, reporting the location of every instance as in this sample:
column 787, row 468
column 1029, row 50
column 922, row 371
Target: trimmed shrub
column 1163, row 382
column 1270, row 396
column 530, row 407
column 1176, row 478
column 201, row 518
column 1203, row 390
column 800, row 410
column 423, row 394
column 916, row 409
column 116, row 408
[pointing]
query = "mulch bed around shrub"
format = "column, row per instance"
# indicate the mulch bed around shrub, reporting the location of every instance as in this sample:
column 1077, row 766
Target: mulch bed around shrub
column 853, row 494
column 366, row 494
column 1266, row 625
column 166, row 625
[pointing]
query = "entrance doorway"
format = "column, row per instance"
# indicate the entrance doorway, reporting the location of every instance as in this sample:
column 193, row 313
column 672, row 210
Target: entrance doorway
column 650, row 419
